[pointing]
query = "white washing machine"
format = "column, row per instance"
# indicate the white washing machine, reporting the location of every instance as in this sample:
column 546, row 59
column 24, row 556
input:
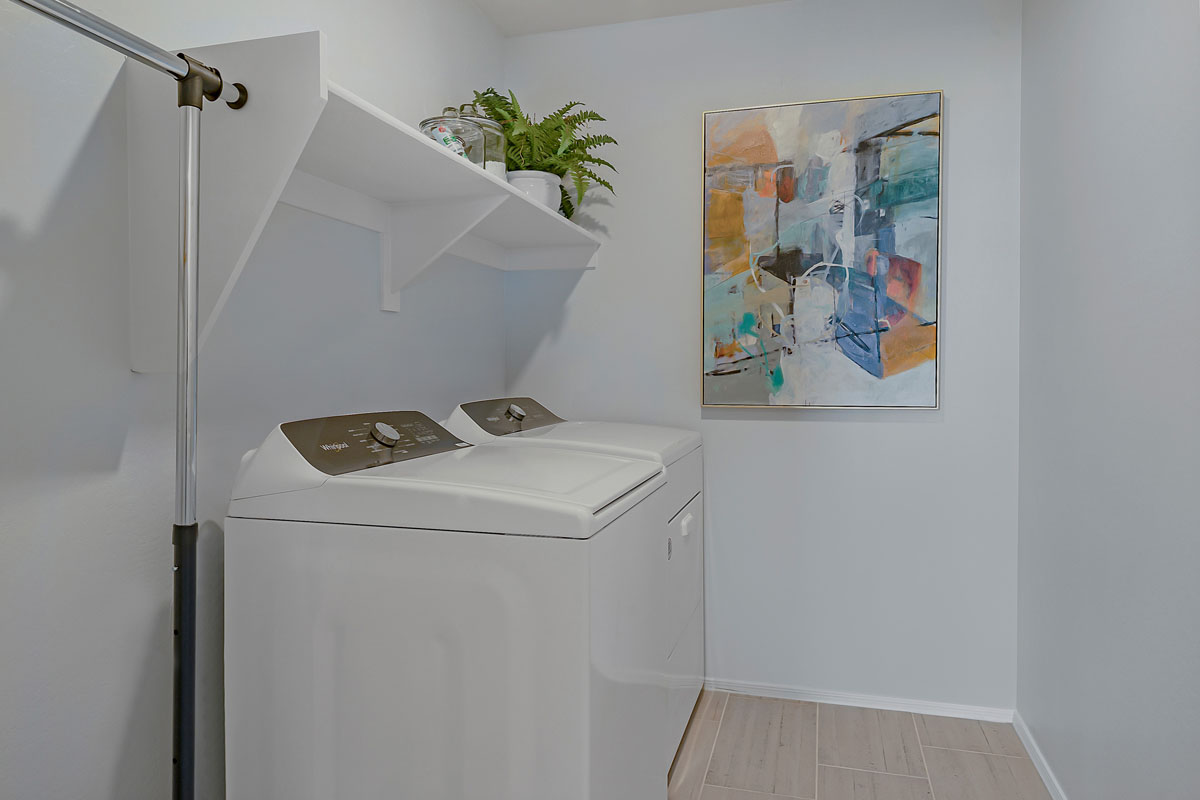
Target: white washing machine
column 410, row 616
column 525, row 423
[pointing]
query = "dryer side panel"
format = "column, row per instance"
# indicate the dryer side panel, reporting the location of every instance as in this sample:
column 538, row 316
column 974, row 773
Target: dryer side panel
column 628, row 694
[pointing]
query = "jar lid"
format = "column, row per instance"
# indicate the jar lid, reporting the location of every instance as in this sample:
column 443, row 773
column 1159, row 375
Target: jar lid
column 470, row 112
column 451, row 115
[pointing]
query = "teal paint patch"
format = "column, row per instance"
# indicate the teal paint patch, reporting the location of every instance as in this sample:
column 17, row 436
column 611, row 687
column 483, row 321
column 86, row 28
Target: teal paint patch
column 776, row 379
column 749, row 327
column 911, row 187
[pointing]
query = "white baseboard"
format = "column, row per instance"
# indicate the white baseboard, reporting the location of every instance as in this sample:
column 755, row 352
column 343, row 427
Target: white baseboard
column 986, row 713
column 1039, row 760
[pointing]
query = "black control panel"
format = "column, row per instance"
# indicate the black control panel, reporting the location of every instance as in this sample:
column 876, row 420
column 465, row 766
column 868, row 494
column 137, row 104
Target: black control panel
column 337, row 445
column 507, row 415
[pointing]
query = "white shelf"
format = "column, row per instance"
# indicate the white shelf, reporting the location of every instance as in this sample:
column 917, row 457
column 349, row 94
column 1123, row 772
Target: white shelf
column 428, row 201
column 307, row 142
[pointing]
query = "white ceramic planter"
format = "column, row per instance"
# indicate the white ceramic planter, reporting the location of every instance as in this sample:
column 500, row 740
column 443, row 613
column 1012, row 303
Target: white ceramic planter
column 540, row 186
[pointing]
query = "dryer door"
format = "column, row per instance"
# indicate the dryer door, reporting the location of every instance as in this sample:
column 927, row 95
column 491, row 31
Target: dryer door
column 684, row 551
column 684, row 673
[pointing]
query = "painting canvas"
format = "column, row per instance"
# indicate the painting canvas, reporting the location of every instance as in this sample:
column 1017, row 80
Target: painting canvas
column 821, row 249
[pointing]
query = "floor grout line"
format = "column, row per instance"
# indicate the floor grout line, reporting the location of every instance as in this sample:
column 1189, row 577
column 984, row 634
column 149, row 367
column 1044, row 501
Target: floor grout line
column 916, row 728
column 956, row 749
column 817, row 758
column 976, row 752
column 874, row 771
column 756, row 791
column 713, row 749
column 924, row 762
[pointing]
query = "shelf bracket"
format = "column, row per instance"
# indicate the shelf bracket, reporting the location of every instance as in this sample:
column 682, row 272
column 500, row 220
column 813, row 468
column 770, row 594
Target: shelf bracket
column 421, row 233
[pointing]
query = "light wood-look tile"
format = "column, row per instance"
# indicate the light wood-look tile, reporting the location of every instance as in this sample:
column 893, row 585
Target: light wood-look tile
column 962, row 775
column 835, row 783
column 691, row 762
column 864, row 738
column 766, row 745
column 725, row 793
column 969, row 734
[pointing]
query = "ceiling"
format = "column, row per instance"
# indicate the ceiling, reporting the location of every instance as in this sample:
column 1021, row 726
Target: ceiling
column 515, row 17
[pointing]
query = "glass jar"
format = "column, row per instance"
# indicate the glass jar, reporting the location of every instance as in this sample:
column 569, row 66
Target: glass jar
column 493, row 138
column 461, row 136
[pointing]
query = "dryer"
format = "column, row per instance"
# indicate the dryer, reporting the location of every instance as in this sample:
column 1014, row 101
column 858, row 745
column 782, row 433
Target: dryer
column 523, row 422
column 408, row 615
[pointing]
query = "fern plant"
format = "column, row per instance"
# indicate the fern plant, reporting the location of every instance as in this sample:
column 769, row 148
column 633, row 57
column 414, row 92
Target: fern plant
column 557, row 143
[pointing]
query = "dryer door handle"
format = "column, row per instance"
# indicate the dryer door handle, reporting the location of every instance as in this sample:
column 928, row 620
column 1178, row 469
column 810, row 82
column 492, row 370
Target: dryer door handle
column 685, row 525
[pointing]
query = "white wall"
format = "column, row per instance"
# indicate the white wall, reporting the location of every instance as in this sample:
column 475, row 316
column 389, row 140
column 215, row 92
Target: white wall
column 1110, row 346
column 857, row 551
column 86, row 475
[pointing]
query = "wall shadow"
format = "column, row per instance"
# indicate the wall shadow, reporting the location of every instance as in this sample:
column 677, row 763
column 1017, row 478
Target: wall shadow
column 535, row 309
column 148, row 726
column 63, row 314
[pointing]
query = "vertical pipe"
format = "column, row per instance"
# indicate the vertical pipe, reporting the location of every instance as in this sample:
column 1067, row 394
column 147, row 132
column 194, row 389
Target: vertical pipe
column 188, row 316
column 183, row 747
column 185, row 531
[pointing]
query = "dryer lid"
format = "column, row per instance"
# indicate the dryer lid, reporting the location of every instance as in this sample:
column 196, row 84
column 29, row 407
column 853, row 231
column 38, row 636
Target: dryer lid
column 650, row 442
column 523, row 420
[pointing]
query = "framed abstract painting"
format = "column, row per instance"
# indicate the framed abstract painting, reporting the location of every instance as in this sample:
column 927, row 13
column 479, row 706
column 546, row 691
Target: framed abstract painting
column 821, row 253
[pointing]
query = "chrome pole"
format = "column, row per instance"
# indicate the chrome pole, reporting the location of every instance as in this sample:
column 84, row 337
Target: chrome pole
column 185, row 532
column 188, row 316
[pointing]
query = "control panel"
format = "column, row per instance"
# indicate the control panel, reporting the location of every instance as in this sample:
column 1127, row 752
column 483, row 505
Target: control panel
column 506, row 415
column 337, row 445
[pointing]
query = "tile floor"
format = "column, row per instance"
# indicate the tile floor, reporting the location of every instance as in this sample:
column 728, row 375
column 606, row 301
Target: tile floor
column 739, row 747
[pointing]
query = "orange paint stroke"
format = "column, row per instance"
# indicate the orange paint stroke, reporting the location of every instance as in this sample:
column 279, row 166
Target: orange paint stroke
column 907, row 346
column 746, row 142
column 725, row 215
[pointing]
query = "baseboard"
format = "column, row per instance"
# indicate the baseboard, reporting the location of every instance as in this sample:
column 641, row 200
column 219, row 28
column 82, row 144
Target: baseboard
column 986, row 713
column 1039, row 760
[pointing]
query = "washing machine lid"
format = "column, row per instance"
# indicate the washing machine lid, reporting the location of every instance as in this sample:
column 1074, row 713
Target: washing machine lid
column 485, row 489
column 533, row 424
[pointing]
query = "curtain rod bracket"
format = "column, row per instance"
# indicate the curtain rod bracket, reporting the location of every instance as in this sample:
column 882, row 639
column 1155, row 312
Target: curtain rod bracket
column 203, row 82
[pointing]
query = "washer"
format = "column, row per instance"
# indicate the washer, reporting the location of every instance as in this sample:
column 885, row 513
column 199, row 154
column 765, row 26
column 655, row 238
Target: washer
column 407, row 615
column 524, row 422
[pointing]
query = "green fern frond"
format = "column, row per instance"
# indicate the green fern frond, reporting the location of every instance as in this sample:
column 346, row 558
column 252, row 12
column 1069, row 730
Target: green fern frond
column 596, row 140
column 581, row 118
column 580, row 181
column 562, row 112
column 600, row 162
column 568, row 208
column 595, row 178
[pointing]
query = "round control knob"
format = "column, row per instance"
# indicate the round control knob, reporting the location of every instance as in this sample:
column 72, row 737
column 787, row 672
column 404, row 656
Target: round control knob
column 515, row 412
column 385, row 434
